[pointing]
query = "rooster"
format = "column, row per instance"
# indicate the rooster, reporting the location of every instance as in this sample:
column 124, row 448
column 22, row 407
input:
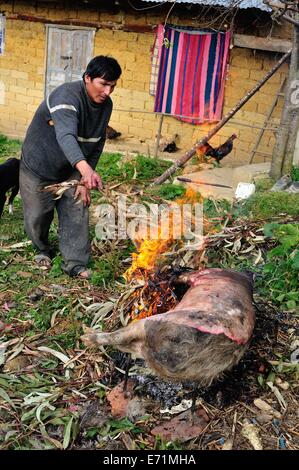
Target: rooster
column 219, row 152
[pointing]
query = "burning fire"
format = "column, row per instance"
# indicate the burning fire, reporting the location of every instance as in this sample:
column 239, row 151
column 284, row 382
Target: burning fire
column 153, row 298
column 149, row 251
column 156, row 295
column 146, row 259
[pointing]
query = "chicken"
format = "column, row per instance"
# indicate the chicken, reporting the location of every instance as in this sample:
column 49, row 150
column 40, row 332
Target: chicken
column 219, row 152
column 168, row 144
column 204, row 335
column 112, row 133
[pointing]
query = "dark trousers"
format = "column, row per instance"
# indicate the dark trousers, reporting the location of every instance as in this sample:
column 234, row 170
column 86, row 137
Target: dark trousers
column 38, row 208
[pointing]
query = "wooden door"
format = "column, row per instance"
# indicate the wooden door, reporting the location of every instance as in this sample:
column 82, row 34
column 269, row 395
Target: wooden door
column 68, row 53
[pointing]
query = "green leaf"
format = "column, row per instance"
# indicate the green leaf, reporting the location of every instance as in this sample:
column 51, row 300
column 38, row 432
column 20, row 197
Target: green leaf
column 5, row 397
column 278, row 251
column 288, row 241
column 271, row 377
column 4, row 383
column 280, row 297
column 293, row 295
column 288, row 235
column 291, row 304
column 28, row 415
column 269, row 268
column 123, row 425
column 269, row 228
column 92, row 432
column 261, row 380
column 40, row 408
column 295, row 259
column 279, row 367
column 67, row 433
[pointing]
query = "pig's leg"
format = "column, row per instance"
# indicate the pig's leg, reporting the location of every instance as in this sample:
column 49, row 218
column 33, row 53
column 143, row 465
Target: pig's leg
column 129, row 339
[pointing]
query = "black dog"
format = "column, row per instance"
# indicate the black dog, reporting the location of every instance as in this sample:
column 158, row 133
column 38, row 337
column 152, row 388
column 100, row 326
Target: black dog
column 9, row 179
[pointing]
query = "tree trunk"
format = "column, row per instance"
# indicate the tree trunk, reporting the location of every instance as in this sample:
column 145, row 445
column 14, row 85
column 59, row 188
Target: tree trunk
column 281, row 140
column 284, row 149
column 293, row 108
column 291, row 144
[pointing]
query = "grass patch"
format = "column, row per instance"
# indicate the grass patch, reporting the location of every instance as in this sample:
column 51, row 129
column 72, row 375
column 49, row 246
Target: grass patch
column 113, row 168
column 295, row 173
column 282, row 266
column 213, row 209
column 106, row 270
column 109, row 267
column 264, row 205
column 109, row 167
column 168, row 191
column 9, row 147
column 263, row 184
column 148, row 168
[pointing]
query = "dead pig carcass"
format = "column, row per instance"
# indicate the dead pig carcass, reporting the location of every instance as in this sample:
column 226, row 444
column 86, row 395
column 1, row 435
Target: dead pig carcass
column 204, row 335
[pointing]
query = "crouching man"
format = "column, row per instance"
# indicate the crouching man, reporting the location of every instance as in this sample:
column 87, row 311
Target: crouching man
column 64, row 141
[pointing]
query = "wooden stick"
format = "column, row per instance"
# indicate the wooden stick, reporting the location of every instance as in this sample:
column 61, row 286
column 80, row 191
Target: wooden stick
column 159, row 135
column 181, row 161
column 188, row 180
column 269, row 114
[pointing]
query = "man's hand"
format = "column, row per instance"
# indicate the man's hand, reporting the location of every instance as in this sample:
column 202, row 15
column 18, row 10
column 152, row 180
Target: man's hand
column 83, row 194
column 90, row 178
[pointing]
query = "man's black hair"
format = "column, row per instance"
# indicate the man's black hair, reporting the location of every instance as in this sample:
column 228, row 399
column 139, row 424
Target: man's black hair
column 104, row 67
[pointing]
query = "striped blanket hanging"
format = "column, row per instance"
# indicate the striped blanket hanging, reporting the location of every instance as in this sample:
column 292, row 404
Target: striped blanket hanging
column 192, row 70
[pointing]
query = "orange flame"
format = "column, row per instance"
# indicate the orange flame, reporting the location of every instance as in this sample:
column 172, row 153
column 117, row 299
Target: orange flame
column 146, row 259
column 156, row 295
column 150, row 250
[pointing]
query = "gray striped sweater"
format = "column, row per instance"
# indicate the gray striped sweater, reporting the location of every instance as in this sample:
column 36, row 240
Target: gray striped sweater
column 66, row 128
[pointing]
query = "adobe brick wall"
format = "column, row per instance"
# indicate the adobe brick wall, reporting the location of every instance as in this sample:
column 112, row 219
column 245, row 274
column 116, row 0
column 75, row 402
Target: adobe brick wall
column 22, row 78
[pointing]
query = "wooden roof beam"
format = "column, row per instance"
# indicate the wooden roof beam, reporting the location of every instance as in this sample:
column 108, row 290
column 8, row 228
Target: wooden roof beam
column 263, row 44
